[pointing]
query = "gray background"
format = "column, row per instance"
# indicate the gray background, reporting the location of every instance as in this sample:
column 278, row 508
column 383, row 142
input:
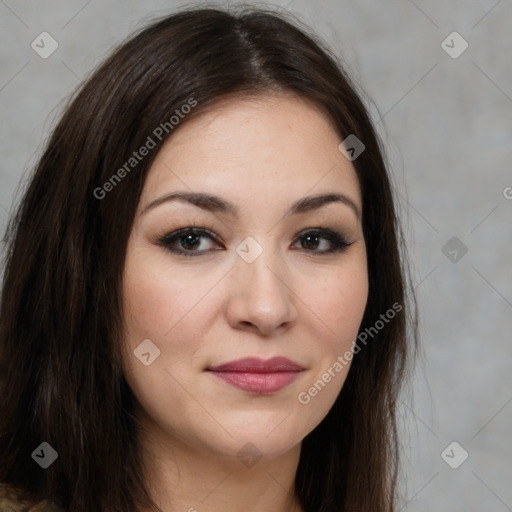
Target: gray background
column 447, row 124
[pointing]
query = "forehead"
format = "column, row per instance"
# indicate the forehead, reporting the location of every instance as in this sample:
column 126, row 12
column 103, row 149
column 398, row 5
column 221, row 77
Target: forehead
column 254, row 148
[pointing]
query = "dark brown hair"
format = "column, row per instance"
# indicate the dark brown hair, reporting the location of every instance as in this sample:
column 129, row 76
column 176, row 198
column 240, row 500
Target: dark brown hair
column 60, row 319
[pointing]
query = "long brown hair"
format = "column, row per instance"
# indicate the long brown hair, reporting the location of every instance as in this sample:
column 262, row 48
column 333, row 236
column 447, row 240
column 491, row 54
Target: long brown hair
column 61, row 377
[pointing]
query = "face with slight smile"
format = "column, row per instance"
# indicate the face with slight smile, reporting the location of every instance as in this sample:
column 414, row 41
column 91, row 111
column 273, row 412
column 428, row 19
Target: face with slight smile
column 212, row 285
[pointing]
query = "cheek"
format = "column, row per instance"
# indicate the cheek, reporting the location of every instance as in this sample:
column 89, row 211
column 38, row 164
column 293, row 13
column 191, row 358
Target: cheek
column 172, row 309
column 163, row 306
column 157, row 299
column 338, row 306
column 347, row 311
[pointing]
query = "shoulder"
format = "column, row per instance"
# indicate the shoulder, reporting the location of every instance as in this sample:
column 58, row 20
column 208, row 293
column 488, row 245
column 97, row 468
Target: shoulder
column 14, row 499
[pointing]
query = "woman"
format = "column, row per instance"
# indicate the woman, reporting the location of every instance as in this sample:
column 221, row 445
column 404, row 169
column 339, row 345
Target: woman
column 204, row 302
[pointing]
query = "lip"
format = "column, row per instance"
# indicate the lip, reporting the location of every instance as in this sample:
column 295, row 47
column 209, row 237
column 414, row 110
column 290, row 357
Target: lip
column 258, row 375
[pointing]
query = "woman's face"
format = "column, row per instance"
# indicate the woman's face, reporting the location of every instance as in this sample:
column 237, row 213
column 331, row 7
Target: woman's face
column 257, row 278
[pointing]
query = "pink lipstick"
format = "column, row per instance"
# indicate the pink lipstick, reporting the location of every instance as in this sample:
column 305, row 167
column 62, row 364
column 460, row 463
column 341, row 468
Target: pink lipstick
column 257, row 375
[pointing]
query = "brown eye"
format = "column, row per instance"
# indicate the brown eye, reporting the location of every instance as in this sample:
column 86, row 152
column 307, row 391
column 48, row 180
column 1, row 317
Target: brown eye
column 332, row 241
column 187, row 241
column 310, row 241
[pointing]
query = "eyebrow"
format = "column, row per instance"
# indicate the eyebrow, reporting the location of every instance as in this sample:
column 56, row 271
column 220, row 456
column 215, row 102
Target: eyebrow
column 218, row 205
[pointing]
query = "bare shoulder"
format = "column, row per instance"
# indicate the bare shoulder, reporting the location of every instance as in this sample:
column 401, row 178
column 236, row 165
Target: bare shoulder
column 13, row 499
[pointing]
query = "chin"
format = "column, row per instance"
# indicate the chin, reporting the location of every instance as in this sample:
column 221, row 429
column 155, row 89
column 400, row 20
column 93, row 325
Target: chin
column 268, row 435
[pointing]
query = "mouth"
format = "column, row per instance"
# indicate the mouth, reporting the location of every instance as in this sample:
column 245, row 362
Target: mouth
column 257, row 375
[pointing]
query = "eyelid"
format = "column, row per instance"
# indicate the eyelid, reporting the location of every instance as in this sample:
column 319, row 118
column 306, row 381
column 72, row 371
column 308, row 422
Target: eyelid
column 198, row 230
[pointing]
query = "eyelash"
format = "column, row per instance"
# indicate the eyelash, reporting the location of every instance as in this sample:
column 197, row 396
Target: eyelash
column 337, row 240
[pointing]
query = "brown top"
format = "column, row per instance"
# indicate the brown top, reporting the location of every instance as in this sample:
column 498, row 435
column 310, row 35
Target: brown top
column 13, row 499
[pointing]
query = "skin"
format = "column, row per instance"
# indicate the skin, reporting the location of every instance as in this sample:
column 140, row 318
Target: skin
column 262, row 154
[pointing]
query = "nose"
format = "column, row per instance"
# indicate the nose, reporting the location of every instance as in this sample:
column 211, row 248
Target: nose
column 261, row 297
